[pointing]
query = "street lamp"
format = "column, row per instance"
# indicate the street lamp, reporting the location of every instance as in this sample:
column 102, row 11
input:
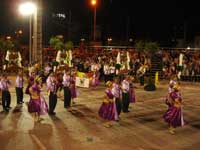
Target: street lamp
column 109, row 41
column 94, row 4
column 28, row 9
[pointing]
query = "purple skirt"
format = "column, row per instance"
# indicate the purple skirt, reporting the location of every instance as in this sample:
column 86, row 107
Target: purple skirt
column 108, row 111
column 174, row 116
column 34, row 106
column 73, row 92
column 43, row 107
column 132, row 96
column 95, row 82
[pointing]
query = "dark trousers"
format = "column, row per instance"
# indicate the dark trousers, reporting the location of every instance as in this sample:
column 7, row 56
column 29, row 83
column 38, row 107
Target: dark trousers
column 118, row 105
column 67, row 97
column 142, row 80
column 19, row 93
column 6, row 99
column 125, row 101
column 106, row 77
column 52, row 102
column 111, row 76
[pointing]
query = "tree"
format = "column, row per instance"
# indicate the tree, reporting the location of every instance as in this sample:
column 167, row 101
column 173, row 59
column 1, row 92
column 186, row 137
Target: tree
column 69, row 45
column 56, row 43
column 151, row 46
column 139, row 45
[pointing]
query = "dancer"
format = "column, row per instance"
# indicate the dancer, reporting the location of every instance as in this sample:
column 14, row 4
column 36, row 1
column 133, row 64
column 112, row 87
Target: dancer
column 174, row 115
column 106, row 71
column 141, row 72
column 95, row 78
column 34, row 105
column 125, row 94
column 132, row 98
column 172, row 82
column 30, row 79
column 19, row 88
column 5, row 84
column 116, row 91
column 67, row 92
column 52, row 88
column 108, row 109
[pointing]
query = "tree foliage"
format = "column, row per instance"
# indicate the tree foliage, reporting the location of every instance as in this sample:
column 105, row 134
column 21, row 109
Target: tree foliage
column 56, row 43
column 6, row 44
column 69, row 45
column 151, row 46
column 139, row 45
column 147, row 46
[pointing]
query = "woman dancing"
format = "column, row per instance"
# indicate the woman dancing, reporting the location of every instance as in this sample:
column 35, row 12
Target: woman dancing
column 174, row 114
column 108, row 109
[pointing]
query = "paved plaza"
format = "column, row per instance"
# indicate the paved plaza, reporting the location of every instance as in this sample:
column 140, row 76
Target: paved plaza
column 82, row 128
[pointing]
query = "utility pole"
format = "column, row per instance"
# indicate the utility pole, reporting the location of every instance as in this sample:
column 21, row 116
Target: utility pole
column 37, row 33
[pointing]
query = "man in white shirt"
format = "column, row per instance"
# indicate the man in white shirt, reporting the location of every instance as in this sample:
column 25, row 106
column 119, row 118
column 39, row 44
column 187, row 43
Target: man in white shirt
column 19, row 88
column 106, row 71
column 5, row 84
column 125, row 94
column 112, row 72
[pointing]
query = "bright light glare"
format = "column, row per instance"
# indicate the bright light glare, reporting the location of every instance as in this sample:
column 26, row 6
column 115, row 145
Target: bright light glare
column 93, row 2
column 27, row 8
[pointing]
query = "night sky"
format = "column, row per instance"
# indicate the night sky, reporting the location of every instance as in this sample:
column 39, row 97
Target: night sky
column 120, row 19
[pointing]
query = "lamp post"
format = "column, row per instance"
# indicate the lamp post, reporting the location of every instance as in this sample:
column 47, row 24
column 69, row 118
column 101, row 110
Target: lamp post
column 94, row 4
column 28, row 9
column 109, row 41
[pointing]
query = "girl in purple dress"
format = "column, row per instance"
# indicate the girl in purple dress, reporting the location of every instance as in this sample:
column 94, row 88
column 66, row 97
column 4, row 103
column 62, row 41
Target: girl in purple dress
column 37, row 105
column 172, row 82
column 174, row 114
column 132, row 98
column 95, row 78
column 108, row 109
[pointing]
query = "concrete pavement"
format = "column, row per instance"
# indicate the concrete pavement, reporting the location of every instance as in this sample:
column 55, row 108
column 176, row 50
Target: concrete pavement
column 82, row 129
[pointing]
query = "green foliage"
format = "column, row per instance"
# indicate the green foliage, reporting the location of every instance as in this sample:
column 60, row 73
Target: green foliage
column 146, row 46
column 139, row 45
column 151, row 46
column 69, row 45
column 118, row 66
column 6, row 44
column 56, row 43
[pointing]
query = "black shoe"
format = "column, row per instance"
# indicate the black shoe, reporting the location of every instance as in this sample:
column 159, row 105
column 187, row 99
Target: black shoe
column 6, row 110
column 52, row 113
column 126, row 111
column 9, row 108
